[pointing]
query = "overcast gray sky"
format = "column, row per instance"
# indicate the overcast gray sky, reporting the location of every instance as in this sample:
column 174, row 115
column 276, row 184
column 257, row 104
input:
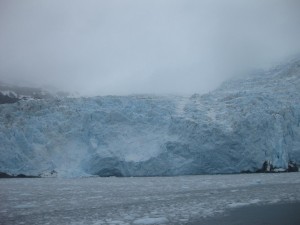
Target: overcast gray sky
column 142, row 46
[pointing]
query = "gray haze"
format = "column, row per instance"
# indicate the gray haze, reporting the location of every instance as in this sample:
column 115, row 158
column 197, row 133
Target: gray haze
column 142, row 46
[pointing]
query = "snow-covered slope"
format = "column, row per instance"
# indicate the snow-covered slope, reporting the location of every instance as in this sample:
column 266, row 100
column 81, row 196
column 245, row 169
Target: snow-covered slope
column 236, row 128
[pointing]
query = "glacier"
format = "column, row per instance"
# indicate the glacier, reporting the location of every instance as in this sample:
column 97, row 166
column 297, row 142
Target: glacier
column 245, row 122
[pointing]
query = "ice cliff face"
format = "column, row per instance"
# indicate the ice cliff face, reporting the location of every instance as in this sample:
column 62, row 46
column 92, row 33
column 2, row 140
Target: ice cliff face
column 235, row 128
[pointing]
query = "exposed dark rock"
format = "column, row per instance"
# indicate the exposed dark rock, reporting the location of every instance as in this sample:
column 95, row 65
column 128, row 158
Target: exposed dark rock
column 246, row 171
column 26, row 176
column 267, row 167
column 110, row 172
column 21, row 175
column 5, row 99
column 5, row 175
column 293, row 167
column 52, row 173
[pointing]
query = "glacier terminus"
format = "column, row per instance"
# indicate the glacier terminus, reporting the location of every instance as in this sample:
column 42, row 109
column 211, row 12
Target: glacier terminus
column 246, row 122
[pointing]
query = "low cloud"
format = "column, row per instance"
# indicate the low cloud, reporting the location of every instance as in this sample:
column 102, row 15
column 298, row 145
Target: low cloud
column 126, row 47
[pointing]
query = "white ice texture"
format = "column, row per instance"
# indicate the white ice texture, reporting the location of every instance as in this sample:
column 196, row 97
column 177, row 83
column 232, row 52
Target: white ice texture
column 235, row 128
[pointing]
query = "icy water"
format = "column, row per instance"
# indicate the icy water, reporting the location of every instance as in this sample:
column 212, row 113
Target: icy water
column 152, row 200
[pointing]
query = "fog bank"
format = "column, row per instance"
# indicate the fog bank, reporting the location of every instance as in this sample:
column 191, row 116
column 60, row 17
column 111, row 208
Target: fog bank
column 126, row 47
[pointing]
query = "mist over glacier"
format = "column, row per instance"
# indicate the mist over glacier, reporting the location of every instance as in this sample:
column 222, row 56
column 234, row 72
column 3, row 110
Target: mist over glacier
column 235, row 128
column 128, row 47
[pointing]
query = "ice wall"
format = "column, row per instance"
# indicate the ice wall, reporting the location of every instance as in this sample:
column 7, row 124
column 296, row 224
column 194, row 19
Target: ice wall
column 235, row 128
